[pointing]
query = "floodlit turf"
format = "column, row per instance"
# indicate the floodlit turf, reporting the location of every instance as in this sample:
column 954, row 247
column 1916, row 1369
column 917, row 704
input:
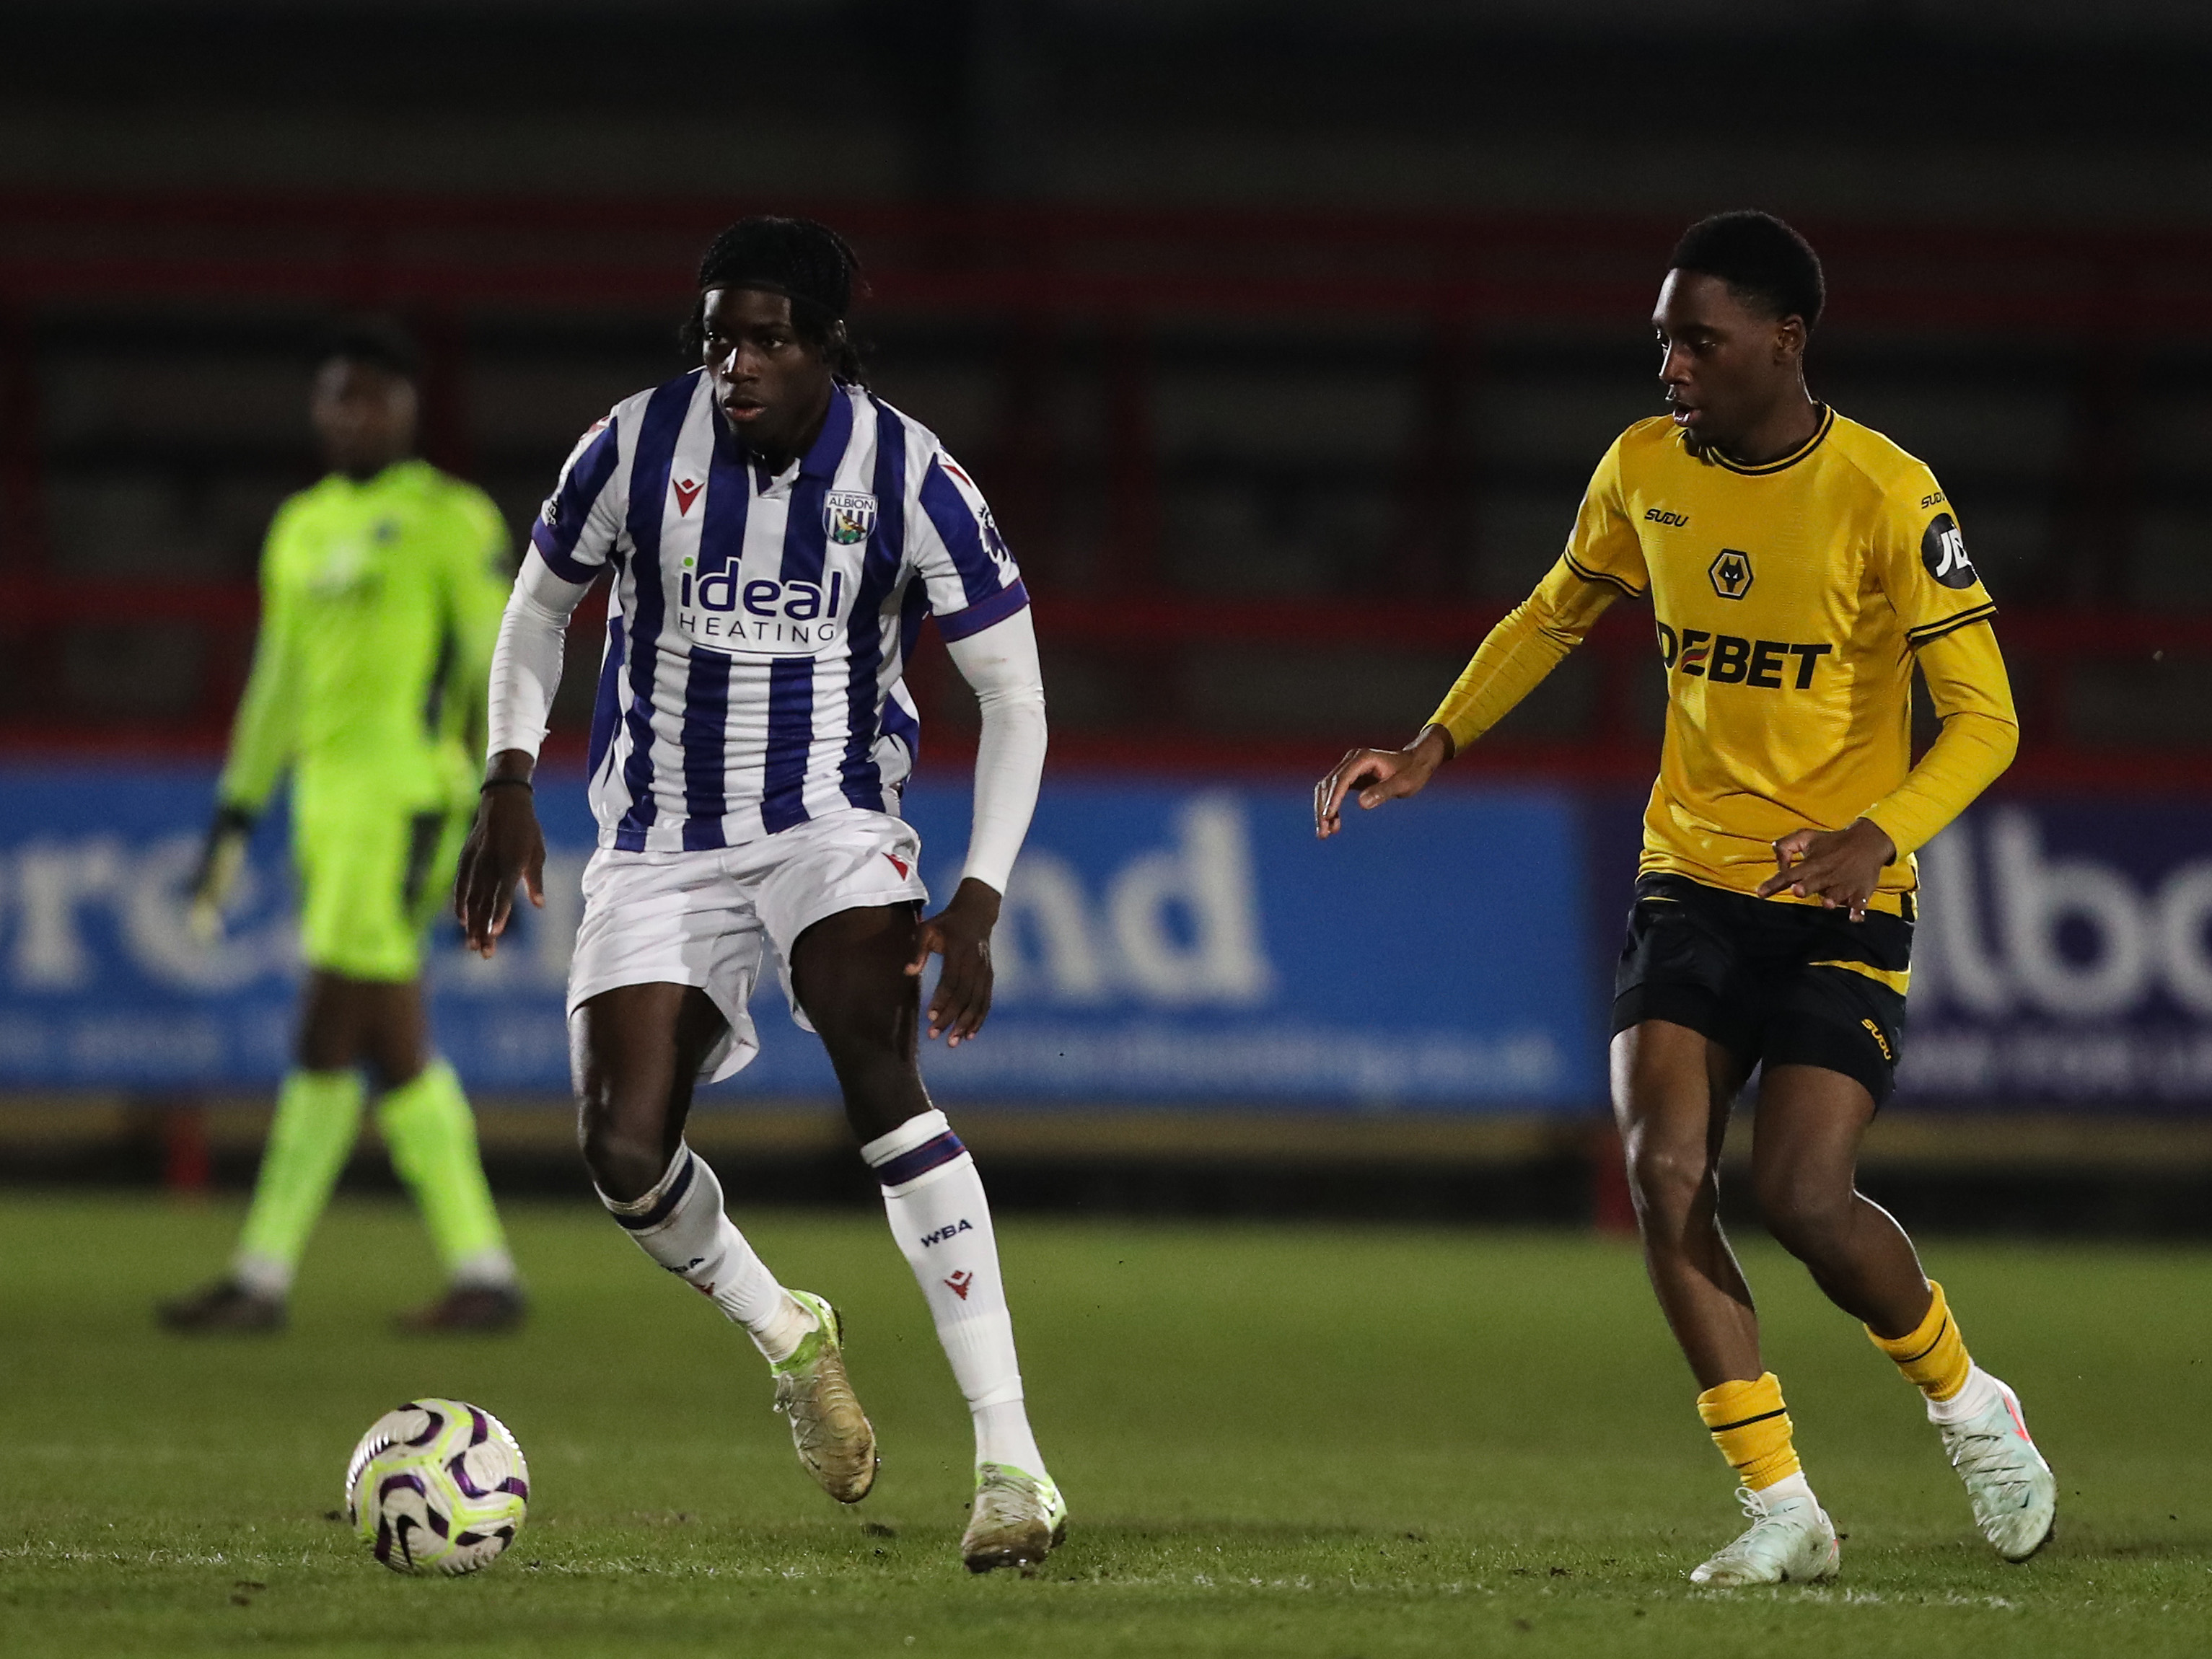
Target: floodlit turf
column 1295, row 1440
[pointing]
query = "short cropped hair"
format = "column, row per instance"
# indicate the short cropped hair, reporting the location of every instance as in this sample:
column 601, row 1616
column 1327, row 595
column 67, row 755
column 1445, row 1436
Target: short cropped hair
column 378, row 342
column 1762, row 260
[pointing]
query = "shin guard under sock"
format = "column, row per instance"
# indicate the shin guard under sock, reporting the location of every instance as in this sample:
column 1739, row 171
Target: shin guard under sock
column 933, row 1199
column 317, row 1116
column 1751, row 1425
column 681, row 1224
column 1933, row 1355
column 432, row 1136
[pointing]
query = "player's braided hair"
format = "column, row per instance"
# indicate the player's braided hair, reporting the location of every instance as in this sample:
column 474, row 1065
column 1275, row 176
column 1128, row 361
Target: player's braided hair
column 809, row 263
column 1761, row 259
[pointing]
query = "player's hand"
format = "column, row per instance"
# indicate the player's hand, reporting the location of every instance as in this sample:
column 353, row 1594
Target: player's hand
column 1379, row 775
column 961, row 933
column 505, row 845
column 221, row 859
column 1839, row 867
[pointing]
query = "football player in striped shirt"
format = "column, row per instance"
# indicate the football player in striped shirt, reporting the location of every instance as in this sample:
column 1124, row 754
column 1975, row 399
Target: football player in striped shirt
column 1800, row 566
column 776, row 535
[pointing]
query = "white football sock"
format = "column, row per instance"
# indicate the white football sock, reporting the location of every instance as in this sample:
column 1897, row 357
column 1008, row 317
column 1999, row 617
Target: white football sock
column 680, row 1224
column 934, row 1200
column 1790, row 1486
column 1973, row 1398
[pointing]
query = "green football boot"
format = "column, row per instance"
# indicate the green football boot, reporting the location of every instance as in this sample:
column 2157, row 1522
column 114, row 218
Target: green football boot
column 837, row 1444
column 1019, row 1519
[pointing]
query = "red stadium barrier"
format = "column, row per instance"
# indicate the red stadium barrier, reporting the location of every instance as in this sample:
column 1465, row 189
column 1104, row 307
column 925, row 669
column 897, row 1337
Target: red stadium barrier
column 1130, row 273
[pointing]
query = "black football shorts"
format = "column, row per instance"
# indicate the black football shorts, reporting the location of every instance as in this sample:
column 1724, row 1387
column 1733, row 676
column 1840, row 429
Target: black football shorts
column 1777, row 983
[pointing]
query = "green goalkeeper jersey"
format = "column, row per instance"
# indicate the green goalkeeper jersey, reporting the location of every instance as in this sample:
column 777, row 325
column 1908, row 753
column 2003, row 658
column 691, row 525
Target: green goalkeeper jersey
column 381, row 601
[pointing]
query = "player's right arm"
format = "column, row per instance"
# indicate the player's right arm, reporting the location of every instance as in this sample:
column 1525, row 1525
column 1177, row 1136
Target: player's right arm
column 263, row 739
column 569, row 545
column 1603, row 561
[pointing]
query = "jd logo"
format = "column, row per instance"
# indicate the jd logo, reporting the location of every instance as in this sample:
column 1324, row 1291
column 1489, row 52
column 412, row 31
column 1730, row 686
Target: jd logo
column 962, row 1225
column 1943, row 550
column 1731, row 573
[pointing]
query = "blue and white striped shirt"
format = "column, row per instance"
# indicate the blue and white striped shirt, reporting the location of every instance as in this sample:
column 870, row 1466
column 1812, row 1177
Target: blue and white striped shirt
column 752, row 676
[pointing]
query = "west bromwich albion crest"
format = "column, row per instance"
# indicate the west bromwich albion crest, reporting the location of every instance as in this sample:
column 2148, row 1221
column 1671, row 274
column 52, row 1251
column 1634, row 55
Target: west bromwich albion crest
column 847, row 516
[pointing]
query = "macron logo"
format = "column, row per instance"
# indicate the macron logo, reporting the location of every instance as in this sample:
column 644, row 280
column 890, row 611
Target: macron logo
column 687, row 492
column 959, row 1282
column 962, row 1225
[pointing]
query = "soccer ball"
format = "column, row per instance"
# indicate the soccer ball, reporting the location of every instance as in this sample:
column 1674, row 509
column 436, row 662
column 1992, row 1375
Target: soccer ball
column 437, row 1486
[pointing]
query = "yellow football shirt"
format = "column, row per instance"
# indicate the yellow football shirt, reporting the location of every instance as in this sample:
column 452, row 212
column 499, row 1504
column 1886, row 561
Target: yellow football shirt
column 1790, row 600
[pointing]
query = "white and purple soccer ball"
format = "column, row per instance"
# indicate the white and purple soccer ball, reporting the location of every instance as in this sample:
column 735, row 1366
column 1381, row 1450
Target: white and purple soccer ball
column 437, row 1487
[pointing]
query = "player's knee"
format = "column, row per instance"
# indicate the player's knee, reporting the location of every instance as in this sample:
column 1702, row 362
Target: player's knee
column 625, row 1156
column 1807, row 1212
column 1665, row 1176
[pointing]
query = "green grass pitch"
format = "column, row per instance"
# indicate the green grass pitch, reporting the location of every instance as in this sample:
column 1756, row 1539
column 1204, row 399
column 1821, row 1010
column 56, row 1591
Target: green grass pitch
column 1282, row 1441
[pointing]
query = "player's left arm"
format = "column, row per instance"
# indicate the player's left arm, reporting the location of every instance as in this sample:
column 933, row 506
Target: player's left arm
column 983, row 614
column 1923, row 568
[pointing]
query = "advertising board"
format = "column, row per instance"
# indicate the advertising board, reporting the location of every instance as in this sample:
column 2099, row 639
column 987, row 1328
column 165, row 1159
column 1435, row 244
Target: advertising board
column 1160, row 942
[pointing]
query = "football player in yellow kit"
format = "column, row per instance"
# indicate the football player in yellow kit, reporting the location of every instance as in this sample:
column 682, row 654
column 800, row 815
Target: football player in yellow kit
column 1799, row 565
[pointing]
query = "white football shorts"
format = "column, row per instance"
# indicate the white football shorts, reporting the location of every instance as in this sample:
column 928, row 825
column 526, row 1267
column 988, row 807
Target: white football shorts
column 702, row 918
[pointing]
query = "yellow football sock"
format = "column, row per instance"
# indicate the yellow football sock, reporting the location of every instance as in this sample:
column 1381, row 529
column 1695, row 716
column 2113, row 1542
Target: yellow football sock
column 1933, row 1356
column 1751, row 1426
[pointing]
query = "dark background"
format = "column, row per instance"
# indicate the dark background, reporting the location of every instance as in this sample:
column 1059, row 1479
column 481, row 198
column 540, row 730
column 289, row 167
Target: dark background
column 1282, row 337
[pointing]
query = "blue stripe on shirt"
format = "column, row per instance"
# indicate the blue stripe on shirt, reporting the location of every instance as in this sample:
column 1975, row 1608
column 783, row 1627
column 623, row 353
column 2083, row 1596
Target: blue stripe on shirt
column 572, row 507
column 977, row 618
column 962, row 531
column 790, row 679
column 606, row 706
column 648, row 492
column 862, row 778
column 706, row 685
column 706, row 730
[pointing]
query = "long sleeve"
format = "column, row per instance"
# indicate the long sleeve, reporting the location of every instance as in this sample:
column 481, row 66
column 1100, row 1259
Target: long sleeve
column 479, row 578
column 1532, row 641
column 525, row 662
column 1000, row 663
column 1972, row 696
column 265, row 734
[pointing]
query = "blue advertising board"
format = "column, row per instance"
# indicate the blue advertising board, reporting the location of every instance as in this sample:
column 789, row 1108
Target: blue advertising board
column 1159, row 942
column 2064, row 956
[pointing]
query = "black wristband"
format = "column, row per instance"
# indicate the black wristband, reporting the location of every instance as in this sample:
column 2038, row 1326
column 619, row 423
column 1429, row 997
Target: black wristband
column 517, row 783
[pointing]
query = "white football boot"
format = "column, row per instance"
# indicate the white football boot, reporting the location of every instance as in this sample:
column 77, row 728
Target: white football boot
column 1019, row 1519
column 1791, row 1540
column 2014, row 1495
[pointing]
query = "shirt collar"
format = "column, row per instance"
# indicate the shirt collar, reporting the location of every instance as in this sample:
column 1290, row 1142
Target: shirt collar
column 821, row 461
column 822, row 458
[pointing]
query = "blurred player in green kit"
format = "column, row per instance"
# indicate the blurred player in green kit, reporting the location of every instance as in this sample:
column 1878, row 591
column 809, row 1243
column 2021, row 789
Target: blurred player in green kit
column 382, row 588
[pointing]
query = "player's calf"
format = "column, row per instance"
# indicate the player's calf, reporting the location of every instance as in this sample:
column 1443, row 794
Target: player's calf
column 680, row 1223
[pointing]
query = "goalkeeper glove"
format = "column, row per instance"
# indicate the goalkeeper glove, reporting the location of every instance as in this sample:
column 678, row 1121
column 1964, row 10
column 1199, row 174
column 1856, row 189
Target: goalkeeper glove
column 221, row 859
